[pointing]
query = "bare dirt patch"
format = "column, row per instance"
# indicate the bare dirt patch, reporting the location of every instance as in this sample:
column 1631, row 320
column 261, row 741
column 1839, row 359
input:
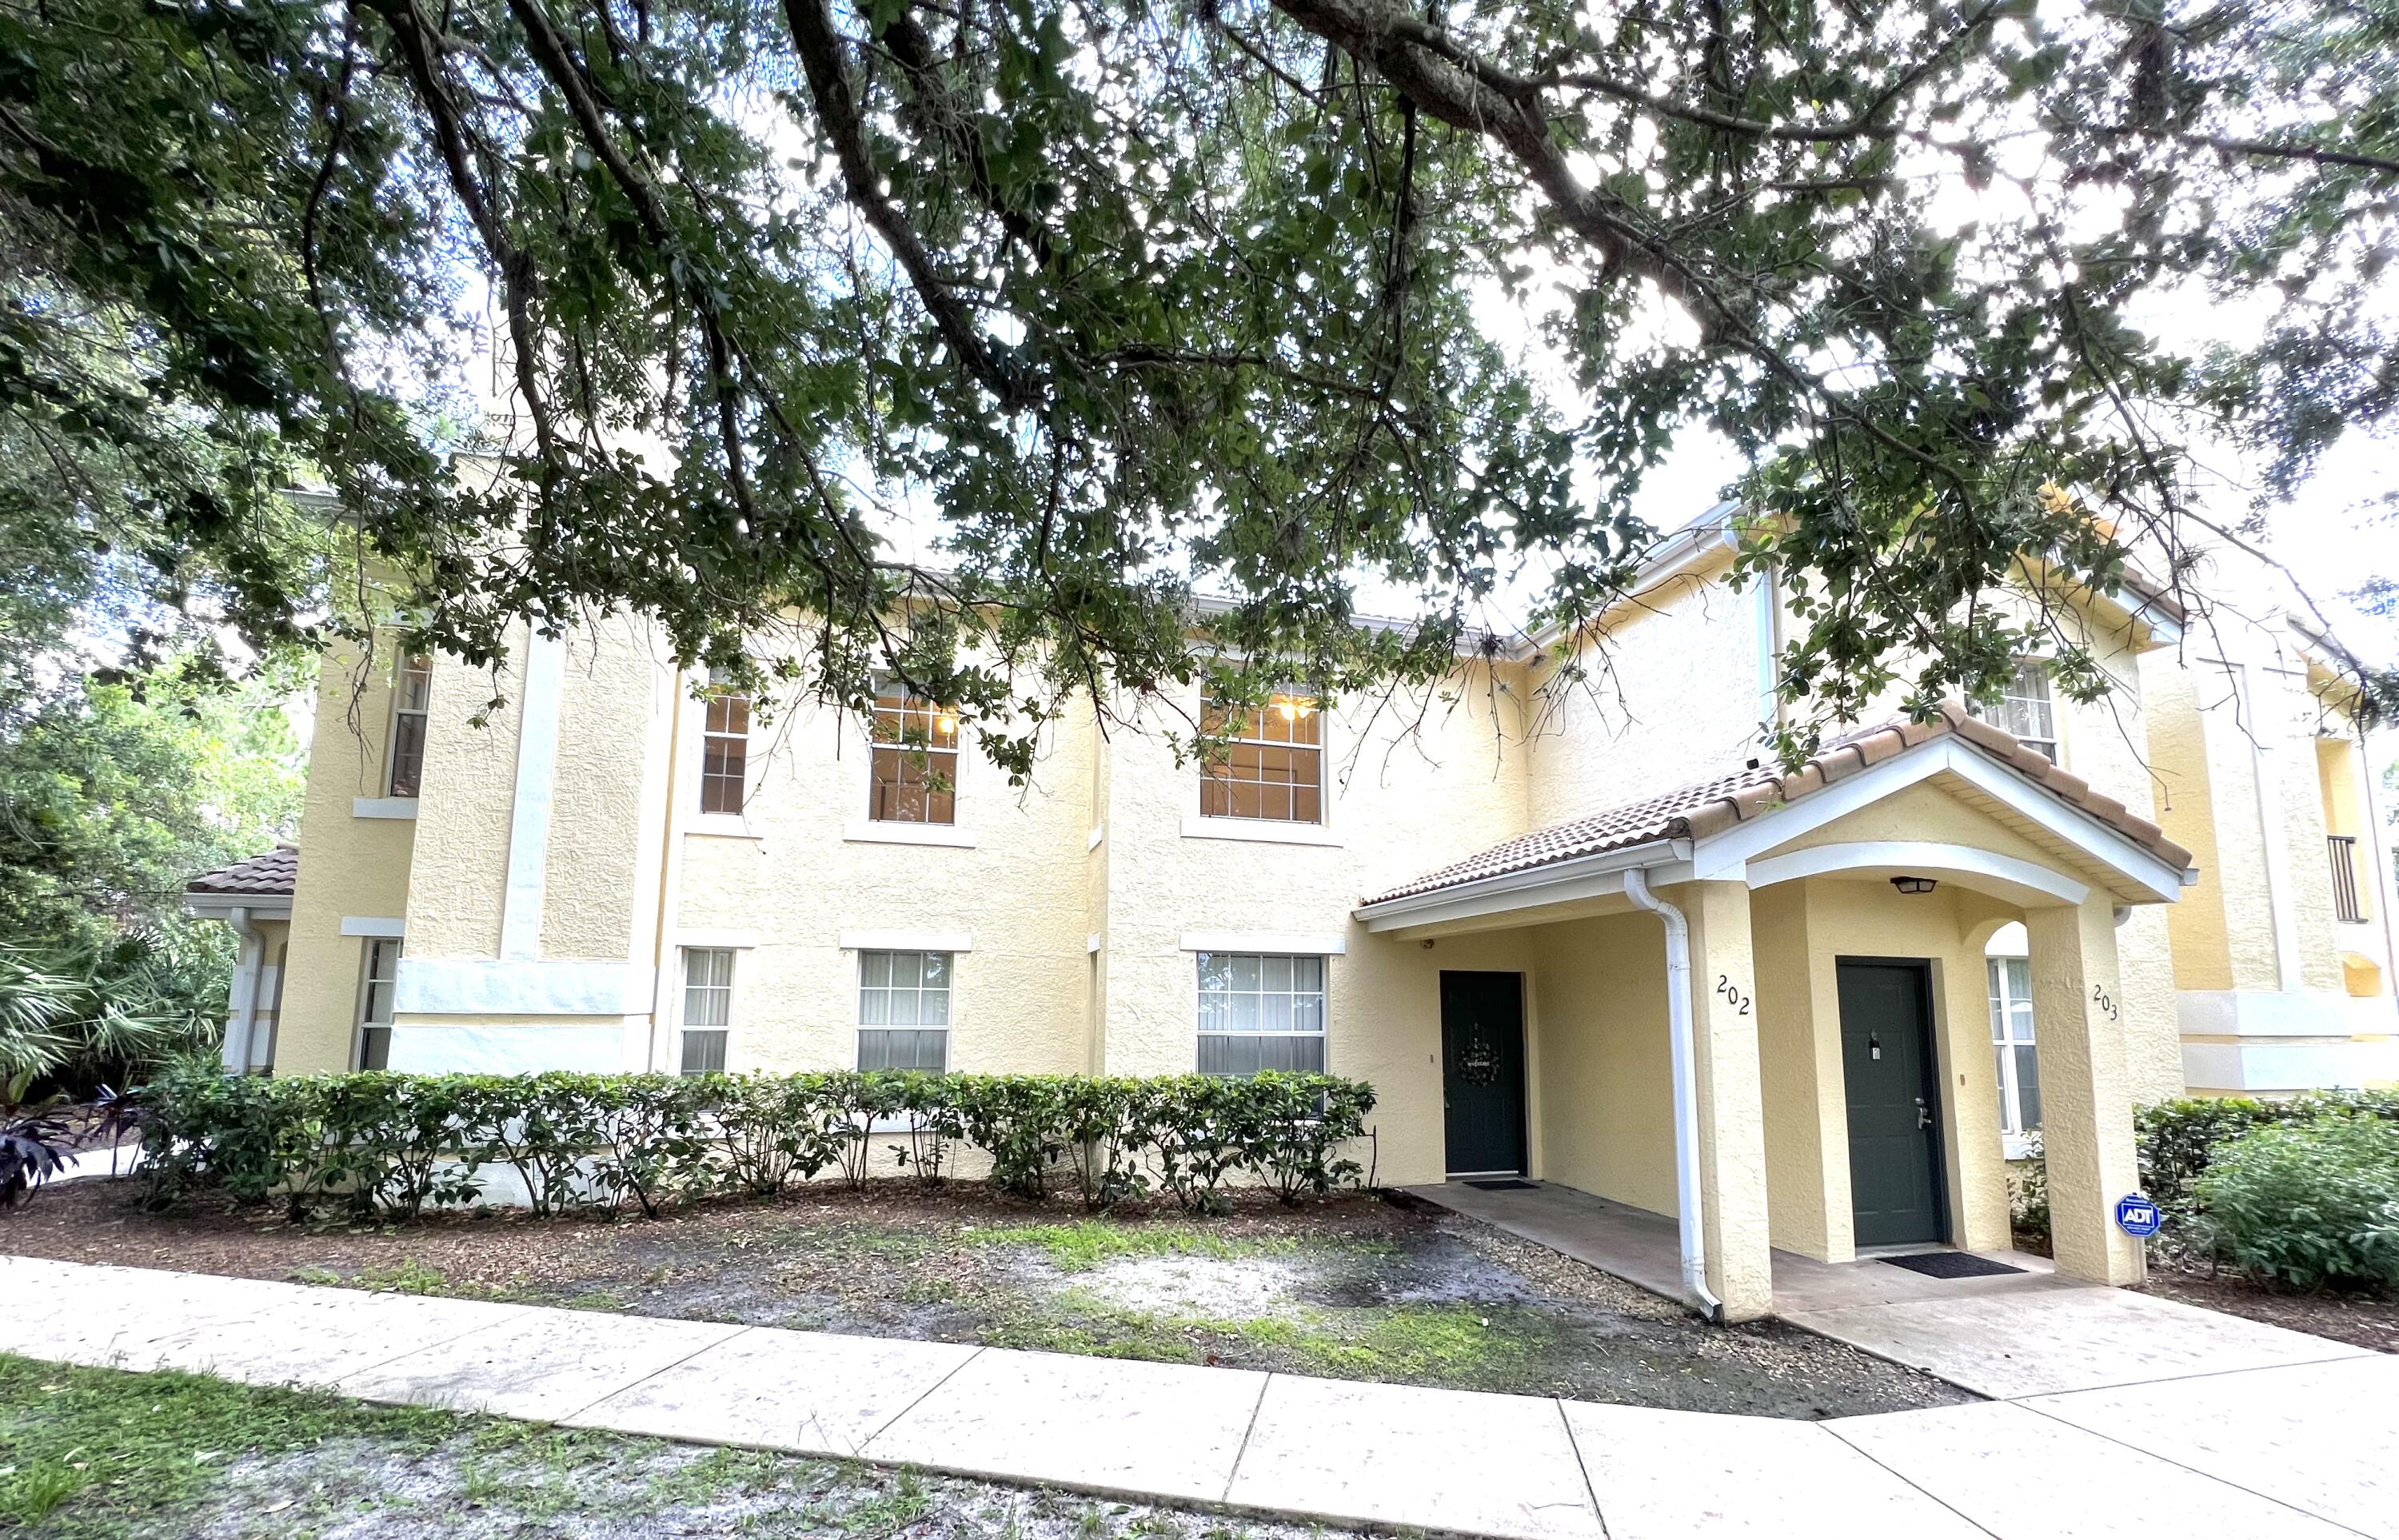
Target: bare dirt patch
column 1351, row 1287
column 2352, row 1318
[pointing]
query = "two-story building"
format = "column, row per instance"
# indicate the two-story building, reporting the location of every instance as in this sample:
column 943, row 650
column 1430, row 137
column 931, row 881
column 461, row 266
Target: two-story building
column 1574, row 929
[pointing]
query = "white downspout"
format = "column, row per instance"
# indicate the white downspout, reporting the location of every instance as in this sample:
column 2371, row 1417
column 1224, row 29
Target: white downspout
column 241, row 1028
column 1686, row 1091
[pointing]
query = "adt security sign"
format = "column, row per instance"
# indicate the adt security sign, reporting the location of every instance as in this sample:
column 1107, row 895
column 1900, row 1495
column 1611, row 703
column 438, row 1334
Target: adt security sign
column 2137, row 1215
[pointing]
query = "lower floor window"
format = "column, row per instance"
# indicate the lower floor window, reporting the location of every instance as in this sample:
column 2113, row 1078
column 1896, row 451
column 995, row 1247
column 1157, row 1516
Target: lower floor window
column 1261, row 1012
column 903, row 1011
column 707, row 1008
column 2012, row 1042
column 382, row 974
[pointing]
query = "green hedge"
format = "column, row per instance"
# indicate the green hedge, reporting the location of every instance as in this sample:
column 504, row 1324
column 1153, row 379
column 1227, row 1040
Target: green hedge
column 390, row 1146
column 2177, row 1140
column 2308, row 1205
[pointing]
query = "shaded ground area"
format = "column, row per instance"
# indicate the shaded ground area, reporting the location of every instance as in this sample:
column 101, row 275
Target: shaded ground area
column 1353, row 1287
column 93, row 1453
column 2351, row 1318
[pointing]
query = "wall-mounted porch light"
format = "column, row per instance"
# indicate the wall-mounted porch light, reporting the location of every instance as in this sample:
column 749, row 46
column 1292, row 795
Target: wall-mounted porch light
column 1913, row 884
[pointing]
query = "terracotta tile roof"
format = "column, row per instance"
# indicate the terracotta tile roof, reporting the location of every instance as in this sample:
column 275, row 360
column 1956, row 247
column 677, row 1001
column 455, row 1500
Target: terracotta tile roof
column 271, row 875
column 1709, row 807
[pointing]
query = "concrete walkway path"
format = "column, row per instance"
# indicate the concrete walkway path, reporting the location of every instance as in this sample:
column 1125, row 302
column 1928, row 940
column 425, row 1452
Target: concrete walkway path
column 2303, row 1448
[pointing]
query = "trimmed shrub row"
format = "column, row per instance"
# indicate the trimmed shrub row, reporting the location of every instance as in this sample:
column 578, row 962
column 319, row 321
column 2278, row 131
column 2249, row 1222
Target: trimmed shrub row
column 2178, row 1139
column 392, row 1145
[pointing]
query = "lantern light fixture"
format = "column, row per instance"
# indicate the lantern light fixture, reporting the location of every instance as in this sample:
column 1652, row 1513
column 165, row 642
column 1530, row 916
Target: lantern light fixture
column 1913, row 884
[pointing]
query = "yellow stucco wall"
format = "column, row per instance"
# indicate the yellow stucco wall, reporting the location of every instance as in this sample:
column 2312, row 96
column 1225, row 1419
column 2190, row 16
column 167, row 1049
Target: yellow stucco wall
column 1668, row 696
column 350, row 866
column 1606, row 1069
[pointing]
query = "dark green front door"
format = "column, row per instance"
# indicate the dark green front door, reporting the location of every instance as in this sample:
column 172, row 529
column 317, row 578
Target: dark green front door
column 1895, row 1186
column 1482, row 1071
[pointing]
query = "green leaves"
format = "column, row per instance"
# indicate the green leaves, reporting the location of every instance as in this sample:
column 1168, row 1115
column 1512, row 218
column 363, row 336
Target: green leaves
column 1115, row 305
column 391, row 1145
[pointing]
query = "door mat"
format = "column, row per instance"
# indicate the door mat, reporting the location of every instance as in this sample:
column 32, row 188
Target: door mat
column 1505, row 1184
column 1951, row 1265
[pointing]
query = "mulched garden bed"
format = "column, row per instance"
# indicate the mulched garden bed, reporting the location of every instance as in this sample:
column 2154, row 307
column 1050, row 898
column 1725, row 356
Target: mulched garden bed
column 1350, row 1287
column 2352, row 1318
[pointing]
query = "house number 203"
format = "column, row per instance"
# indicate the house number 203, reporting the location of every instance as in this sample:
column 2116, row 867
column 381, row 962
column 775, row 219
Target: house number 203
column 2106, row 1002
column 1732, row 992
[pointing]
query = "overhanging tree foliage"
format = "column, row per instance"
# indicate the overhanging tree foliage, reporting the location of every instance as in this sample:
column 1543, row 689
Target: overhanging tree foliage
column 1131, row 296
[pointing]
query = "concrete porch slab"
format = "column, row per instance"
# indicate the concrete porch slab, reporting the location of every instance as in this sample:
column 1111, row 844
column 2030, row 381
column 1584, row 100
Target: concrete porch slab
column 2022, row 1475
column 1665, row 1475
column 2268, row 1431
column 1101, row 1425
column 1390, row 1454
column 2047, row 1340
column 804, row 1392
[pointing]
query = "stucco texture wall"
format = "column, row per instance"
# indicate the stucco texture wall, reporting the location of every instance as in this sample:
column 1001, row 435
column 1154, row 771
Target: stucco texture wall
column 1605, row 1060
column 1669, row 694
column 806, row 870
column 462, row 821
column 349, row 866
column 1398, row 806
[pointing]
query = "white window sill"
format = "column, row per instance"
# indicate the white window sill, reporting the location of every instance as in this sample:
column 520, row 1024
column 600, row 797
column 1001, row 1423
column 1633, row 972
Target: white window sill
column 383, row 807
column 731, row 826
column 879, row 831
column 2015, row 1147
column 1197, row 825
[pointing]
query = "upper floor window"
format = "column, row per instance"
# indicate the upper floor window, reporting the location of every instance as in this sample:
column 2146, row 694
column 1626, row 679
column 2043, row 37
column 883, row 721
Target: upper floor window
column 2025, row 709
column 916, row 761
column 380, row 979
column 707, row 1008
column 1273, row 765
column 903, row 1010
column 1261, row 1012
column 725, row 755
column 412, row 693
column 2012, row 1041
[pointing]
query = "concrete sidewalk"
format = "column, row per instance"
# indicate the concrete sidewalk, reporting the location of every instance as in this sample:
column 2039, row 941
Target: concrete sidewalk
column 2299, row 1450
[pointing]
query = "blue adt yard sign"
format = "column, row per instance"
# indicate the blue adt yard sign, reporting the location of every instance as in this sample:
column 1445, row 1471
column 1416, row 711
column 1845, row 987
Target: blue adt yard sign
column 2137, row 1215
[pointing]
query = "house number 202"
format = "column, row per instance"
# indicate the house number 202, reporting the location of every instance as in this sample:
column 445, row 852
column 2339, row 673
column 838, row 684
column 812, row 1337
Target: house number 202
column 1730, row 991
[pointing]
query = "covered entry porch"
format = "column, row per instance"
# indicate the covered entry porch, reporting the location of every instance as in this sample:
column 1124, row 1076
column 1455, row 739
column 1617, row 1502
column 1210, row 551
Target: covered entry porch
column 1755, row 1009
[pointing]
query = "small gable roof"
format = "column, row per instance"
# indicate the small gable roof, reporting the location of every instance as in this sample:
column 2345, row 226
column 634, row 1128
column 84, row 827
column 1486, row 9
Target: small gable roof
column 1709, row 807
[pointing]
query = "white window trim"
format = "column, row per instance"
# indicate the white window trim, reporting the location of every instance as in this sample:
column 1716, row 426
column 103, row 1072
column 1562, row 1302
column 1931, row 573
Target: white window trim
column 358, row 1003
column 907, row 941
column 863, row 792
column 683, row 948
column 697, row 820
column 383, row 807
column 1203, row 826
column 391, row 739
column 857, row 1007
column 894, row 831
column 1200, row 826
column 2017, row 1145
column 381, row 928
column 1324, row 1033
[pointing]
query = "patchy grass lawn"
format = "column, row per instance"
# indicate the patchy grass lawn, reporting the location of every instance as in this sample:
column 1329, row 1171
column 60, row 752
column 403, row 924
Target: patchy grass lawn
column 1353, row 1287
column 86, row 1453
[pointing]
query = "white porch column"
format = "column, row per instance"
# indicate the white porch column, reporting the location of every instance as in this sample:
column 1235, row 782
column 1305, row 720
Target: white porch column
column 1732, row 1115
column 2085, row 1094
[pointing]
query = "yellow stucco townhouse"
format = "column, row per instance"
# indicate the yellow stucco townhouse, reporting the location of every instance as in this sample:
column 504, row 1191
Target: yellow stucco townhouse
column 1582, row 933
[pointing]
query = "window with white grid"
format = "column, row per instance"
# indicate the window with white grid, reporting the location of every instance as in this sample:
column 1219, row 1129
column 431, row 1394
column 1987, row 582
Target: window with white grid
column 724, row 754
column 379, row 978
column 412, row 697
column 2012, row 1042
column 2026, row 709
column 1261, row 1012
column 707, row 1008
column 903, row 1010
column 1272, row 764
